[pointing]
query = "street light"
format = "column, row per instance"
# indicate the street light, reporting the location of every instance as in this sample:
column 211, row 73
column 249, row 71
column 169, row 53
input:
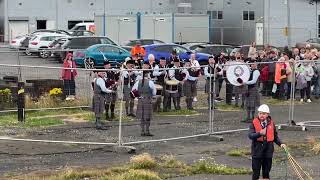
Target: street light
column 289, row 24
column 104, row 17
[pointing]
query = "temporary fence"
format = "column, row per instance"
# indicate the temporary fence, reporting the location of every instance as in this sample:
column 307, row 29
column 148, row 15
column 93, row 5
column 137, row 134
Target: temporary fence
column 166, row 126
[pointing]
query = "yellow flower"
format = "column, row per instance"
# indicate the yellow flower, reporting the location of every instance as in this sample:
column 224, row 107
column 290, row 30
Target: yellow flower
column 55, row 91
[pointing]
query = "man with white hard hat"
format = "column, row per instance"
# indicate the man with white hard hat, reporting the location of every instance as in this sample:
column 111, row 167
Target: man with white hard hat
column 263, row 134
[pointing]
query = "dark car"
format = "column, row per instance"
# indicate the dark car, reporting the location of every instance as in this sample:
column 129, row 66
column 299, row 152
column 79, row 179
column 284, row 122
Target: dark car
column 164, row 50
column 131, row 43
column 214, row 49
column 81, row 43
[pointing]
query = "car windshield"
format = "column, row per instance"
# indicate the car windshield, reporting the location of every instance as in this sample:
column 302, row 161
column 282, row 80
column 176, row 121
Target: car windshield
column 180, row 49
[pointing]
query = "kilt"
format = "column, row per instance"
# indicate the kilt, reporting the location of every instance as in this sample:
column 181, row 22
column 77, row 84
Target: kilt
column 98, row 105
column 190, row 88
column 144, row 108
column 111, row 97
column 252, row 99
column 126, row 93
column 240, row 89
column 207, row 86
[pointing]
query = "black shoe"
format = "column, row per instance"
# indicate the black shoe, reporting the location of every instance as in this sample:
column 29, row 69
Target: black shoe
column 143, row 134
column 101, row 128
column 132, row 115
column 148, row 134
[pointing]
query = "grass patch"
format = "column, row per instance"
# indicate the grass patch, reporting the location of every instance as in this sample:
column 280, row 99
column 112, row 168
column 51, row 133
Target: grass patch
column 272, row 101
column 182, row 112
column 142, row 167
column 47, row 101
column 138, row 174
column 239, row 153
column 143, row 161
column 42, row 118
column 204, row 167
column 226, row 107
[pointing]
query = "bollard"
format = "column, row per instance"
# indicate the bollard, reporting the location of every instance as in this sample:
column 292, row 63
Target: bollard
column 21, row 102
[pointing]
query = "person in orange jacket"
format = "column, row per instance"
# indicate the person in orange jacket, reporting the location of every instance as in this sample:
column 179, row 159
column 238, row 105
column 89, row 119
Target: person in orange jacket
column 263, row 133
column 138, row 50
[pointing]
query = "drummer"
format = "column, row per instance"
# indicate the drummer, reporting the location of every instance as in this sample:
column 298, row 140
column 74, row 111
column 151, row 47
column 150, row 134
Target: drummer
column 179, row 75
column 211, row 73
column 160, row 75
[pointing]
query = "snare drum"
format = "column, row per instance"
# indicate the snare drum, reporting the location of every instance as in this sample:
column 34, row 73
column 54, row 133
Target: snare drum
column 159, row 89
column 172, row 86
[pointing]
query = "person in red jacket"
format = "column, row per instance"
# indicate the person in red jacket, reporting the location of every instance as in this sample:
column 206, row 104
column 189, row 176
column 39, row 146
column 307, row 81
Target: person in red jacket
column 68, row 76
column 263, row 134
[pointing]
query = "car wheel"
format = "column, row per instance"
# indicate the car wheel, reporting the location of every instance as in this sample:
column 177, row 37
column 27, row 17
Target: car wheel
column 89, row 63
column 44, row 54
column 28, row 53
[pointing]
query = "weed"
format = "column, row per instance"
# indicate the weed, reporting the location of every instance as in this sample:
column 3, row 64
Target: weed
column 143, row 161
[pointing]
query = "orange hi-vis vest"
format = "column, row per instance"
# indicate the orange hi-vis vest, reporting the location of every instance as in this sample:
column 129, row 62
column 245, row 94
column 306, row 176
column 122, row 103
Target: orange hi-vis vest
column 269, row 133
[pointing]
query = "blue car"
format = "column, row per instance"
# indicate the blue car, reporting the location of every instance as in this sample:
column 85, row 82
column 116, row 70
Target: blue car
column 164, row 50
column 99, row 52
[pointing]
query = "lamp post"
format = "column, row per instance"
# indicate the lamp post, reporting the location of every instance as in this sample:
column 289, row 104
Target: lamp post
column 104, row 17
column 288, row 24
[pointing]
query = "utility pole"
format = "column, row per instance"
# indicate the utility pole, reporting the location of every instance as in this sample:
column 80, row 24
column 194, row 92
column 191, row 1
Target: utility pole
column 289, row 24
column 104, row 17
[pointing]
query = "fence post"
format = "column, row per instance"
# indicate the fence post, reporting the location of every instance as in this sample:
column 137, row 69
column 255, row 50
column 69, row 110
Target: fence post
column 21, row 102
column 121, row 109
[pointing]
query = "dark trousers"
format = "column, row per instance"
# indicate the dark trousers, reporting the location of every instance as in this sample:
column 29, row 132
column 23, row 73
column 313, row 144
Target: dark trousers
column 257, row 163
column 145, row 125
column 288, row 90
column 220, row 82
column 229, row 89
column 306, row 90
column 69, row 87
column 270, row 83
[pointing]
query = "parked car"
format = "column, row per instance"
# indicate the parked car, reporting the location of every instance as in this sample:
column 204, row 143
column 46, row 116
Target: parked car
column 131, row 43
column 164, row 50
column 81, row 43
column 193, row 46
column 88, row 26
column 214, row 49
column 16, row 42
column 234, row 50
column 81, row 33
column 55, row 47
column 39, row 43
column 314, row 43
column 99, row 52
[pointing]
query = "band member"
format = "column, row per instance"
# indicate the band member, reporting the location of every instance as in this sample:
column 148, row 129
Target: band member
column 138, row 50
column 173, row 57
column 129, row 78
column 253, row 97
column 196, row 67
column 211, row 73
column 190, row 84
column 146, row 90
column 111, row 78
column 152, row 62
column 229, row 86
column 160, row 75
column 99, row 92
column 240, row 91
column 263, row 134
column 137, row 61
column 178, row 75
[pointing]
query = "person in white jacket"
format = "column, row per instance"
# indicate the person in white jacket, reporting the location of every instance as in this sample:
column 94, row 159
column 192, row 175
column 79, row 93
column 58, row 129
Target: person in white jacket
column 305, row 69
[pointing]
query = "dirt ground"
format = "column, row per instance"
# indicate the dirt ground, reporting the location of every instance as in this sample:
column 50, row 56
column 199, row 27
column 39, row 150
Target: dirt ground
column 25, row 157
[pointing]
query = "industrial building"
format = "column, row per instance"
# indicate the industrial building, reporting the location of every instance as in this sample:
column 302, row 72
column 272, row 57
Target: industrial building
column 232, row 21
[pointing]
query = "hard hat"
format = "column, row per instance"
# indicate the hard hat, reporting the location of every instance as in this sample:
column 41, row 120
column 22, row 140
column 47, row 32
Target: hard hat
column 264, row 108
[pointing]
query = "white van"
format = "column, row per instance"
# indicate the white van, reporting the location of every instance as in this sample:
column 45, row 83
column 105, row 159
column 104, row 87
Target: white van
column 84, row 27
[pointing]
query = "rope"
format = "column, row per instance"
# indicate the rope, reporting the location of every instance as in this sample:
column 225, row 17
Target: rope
column 296, row 166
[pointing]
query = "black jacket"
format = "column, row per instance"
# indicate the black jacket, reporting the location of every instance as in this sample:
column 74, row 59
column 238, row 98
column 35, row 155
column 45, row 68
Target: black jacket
column 262, row 149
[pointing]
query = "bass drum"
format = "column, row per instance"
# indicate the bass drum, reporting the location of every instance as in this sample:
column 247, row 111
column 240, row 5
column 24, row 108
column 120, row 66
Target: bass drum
column 238, row 73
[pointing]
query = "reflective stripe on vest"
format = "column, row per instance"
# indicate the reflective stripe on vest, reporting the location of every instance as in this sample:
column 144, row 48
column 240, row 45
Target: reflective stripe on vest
column 270, row 130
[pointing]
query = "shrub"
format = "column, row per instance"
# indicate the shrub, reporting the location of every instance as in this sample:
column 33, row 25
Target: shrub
column 143, row 161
